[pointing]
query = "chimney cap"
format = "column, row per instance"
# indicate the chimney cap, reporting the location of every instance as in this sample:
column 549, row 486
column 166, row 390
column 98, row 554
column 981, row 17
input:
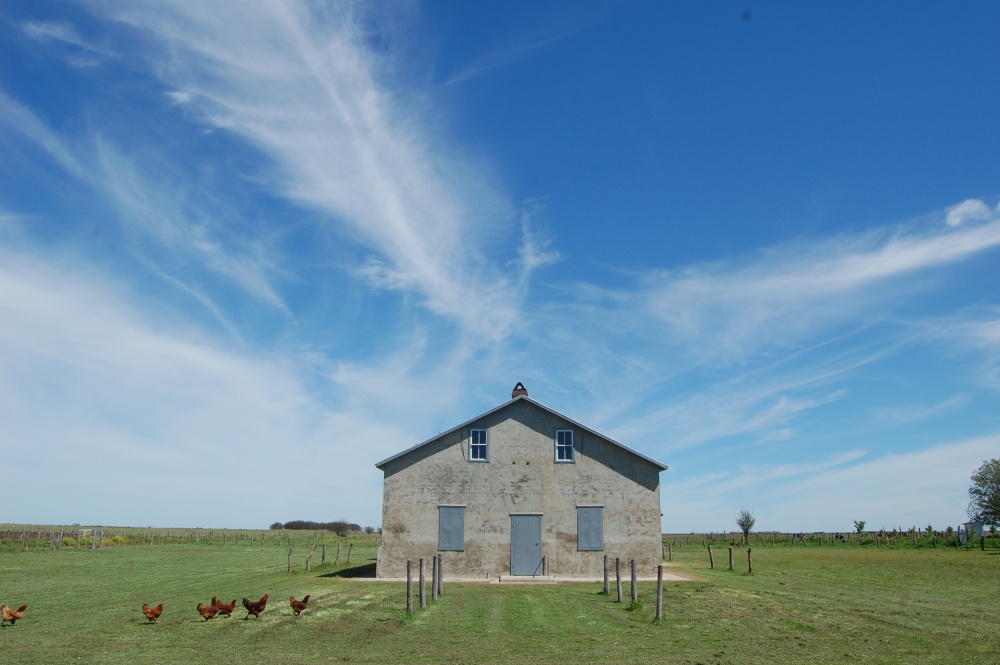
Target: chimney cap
column 519, row 390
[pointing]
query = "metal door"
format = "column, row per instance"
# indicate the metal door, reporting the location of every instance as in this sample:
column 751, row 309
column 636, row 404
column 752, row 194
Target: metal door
column 525, row 544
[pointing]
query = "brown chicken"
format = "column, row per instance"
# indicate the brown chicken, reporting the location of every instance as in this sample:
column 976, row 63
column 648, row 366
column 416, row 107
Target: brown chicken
column 12, row 615
column 152, row 613
column 298, row 605
column 222, row 608
column 255, row 607
column 207, row 611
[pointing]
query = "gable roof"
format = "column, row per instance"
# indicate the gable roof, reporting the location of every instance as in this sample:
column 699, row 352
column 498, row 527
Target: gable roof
column 381, row 465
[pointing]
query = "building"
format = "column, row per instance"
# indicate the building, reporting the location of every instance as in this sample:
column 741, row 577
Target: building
column 520, row 490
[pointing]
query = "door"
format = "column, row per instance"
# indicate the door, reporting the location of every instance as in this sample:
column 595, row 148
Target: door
column 525, row 544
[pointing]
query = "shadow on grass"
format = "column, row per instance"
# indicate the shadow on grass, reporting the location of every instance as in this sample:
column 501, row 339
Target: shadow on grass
column 364, row 570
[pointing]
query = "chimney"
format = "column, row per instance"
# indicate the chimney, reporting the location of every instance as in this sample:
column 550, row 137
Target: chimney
column 519, row 390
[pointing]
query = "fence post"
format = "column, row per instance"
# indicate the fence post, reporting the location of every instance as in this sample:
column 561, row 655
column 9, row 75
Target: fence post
column 659, row 592
column 440, row 576
column 434, row 585
column 749, row 559
column 409, row 587
column 349, row 548
column 633, row 589
column 618, row 575
column 607, row 586
column 670, row 552
column 423, row 598
column 289, row 561
column 337, row 561
column 730, row 557
column 711, row 558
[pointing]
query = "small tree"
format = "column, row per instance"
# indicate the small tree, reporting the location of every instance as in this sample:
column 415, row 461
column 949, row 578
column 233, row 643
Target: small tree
column 984, row 493
column 745, row 522
column 859, row 525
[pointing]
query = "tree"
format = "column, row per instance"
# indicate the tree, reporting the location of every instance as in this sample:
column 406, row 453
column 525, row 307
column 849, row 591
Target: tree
column 984, row 505
column 859, row 525
column 745, row 522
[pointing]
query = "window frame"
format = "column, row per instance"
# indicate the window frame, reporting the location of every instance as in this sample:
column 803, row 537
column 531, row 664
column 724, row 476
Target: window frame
column 563, row 446
column 588, row 535
column 485, row 444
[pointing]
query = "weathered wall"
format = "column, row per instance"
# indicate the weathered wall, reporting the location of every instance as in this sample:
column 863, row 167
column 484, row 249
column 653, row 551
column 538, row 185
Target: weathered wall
column 521, row 477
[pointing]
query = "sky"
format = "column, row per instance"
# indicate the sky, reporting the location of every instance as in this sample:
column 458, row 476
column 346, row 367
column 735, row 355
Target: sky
column 248, row 250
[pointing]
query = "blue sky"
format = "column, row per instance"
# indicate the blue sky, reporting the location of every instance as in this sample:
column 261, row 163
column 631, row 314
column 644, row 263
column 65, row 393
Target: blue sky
column 249, row 250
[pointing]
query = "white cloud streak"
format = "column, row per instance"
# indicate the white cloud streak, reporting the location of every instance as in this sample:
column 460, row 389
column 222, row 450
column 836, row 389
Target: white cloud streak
column 828, row 494
column 346, row 146
column 64, row 33
column 116, row 404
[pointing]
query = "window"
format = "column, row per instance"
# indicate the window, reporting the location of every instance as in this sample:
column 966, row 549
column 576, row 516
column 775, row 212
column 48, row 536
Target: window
column 564, row 445
column 451, row 528
column 479, row 448
column 590, row 528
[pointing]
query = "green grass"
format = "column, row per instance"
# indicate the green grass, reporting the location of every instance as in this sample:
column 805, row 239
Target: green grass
column 801, row 605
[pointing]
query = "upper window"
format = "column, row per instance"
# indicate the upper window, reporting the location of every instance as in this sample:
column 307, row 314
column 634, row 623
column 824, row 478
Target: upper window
column 479, row 446
column 564, row 445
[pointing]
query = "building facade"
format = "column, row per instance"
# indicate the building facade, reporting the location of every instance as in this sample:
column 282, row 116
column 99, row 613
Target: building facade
column 516, row 489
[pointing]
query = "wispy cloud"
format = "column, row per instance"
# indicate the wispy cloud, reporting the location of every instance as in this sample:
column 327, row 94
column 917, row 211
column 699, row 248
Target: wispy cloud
column 787, row 293
column 509, row 54
column 20, row 118
column 831, row 492
column 172, row 216
column 349, row 147
column 906, row 415
column 67, row 34
column 94, row 385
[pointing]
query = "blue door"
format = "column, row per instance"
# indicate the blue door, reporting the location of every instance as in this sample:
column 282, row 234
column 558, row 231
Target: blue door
column 525, row 544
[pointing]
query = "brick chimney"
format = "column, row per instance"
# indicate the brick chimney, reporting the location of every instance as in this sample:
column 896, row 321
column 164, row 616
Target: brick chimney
column 519, row 390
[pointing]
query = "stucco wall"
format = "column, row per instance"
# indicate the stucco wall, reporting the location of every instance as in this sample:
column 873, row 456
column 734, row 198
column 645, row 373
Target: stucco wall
column 521, row 477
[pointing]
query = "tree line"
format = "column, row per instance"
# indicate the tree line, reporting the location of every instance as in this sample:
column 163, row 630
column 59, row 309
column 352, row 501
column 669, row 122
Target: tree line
column 340, row 527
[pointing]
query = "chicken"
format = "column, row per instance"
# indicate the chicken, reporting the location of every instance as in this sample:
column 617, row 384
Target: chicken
column 255, row 607
column 207, row 611
column 222, row 608
column 152, row 613
column 12, row 615
column 298, row 605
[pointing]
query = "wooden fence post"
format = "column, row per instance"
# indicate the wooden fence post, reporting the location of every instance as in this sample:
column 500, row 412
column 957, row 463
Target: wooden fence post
column 730, row 557
column 409, row 587
column 634, row 590
column 312, row 549
column 607, row 585
column 434, row 585
column 289, row 561
column 749, row 559
column 322, row 559
column 618, row 575
column 670, row 552
column 423, row 598
column 711, row 558
column 440, row 576
column 350, row 547
column 337, row 562
column 659, row 592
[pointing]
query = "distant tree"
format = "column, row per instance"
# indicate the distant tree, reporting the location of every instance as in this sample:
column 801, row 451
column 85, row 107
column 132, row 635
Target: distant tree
column 984, row 493
column 745, row 522
column 277, row 525
column 369, row 529
column 859, row 525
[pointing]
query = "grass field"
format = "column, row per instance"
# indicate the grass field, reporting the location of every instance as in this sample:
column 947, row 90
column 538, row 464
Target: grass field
column 801, row 605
